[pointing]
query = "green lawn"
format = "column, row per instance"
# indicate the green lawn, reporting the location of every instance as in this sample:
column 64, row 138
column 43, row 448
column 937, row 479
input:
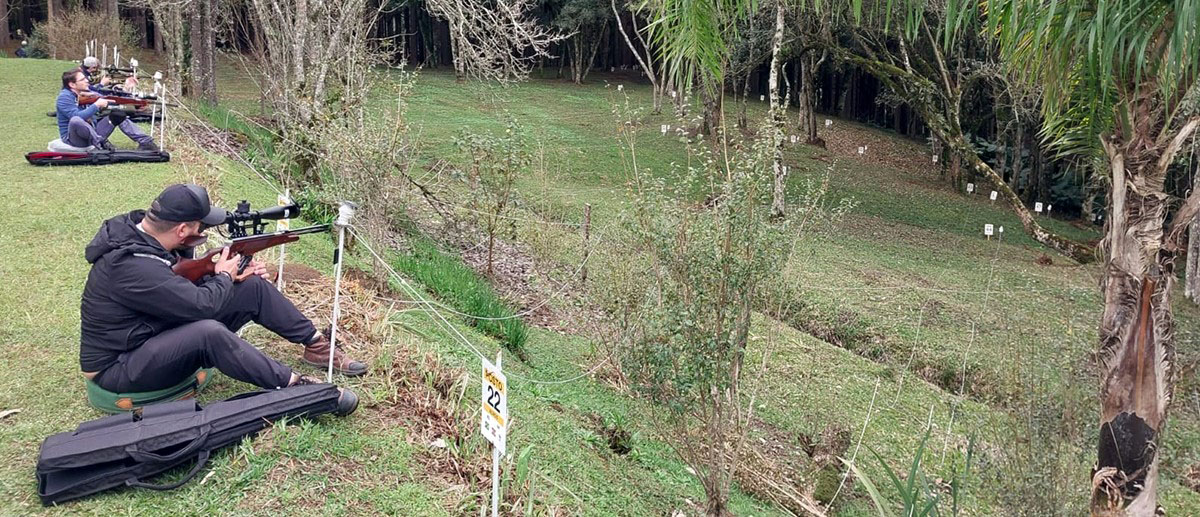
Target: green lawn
column 907, row 274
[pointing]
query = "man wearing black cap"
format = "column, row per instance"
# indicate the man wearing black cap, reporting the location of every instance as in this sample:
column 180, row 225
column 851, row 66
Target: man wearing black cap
column 144, row 328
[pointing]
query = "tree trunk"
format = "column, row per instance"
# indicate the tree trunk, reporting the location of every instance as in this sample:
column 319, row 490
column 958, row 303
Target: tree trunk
column 775, row 113
column 196, row 41
column 208, row 85
column 807, row 119
column 1137, row 342
column 1191, row 284
column 111, row 8
column 4, row 39
column 53, row 8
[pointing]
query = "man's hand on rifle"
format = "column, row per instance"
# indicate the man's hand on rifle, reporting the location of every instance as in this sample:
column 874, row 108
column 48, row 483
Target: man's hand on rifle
column 102, row 103
column 227, row 264
column 254, row 268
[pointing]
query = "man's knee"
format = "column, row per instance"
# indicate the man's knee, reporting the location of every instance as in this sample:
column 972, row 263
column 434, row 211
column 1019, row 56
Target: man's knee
column 117, row 116
column 210, row 330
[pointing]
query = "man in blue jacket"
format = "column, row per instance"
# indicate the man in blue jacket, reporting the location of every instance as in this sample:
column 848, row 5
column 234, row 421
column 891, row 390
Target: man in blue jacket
column 77, row 126
column 144, row 328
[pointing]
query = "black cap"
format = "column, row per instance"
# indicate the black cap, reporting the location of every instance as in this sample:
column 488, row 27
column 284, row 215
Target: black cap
column 182, row 203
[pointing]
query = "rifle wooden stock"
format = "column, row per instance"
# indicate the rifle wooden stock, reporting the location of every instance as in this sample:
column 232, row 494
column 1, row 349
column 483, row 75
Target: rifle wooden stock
column 195, row 269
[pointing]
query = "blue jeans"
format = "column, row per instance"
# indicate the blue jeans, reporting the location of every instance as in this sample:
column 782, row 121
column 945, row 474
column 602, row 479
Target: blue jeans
column 82, row 134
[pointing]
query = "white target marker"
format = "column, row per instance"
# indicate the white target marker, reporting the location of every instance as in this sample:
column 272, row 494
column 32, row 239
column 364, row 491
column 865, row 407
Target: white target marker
column 828, row 122
column 1037, row 207
column 993, row 196
column 970, row 188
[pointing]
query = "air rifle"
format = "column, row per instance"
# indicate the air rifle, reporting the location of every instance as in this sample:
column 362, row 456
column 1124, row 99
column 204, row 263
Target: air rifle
column 90, row 97
column 249, row 237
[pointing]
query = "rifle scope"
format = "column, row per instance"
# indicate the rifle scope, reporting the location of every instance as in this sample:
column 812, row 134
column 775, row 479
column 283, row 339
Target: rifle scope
column 243, row 221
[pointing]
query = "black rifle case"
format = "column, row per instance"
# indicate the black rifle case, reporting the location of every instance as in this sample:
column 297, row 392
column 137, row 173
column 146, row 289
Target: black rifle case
column 95, row 157
column 126, row 449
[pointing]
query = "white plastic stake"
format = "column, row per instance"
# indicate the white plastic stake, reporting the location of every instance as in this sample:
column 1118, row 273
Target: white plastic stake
column 993, row 196
column 154, row 105
column 283, row 224
column 345, row 214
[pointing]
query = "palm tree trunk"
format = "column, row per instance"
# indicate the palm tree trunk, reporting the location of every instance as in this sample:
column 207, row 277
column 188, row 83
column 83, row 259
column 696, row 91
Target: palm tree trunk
column 1137, row 342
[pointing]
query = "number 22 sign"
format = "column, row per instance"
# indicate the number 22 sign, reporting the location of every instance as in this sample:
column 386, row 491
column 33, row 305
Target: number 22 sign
column 493, row 421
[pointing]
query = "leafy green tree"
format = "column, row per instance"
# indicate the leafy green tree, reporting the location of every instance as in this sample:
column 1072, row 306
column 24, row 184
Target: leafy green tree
column 587, row 23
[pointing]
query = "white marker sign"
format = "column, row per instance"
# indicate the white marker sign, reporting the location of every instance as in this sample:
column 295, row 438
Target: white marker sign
column 1037, row 207
column 993, row 196
column 970, row 188
column 762, row 98
column 988, row 230
column 828, row 122
column 935, row 158
column 1049, row 208
column 493, row 421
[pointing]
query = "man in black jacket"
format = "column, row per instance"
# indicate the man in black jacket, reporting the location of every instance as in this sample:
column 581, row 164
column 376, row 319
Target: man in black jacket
column 144, row 328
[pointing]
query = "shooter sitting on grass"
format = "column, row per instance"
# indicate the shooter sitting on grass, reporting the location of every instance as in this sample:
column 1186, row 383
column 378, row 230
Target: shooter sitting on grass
column 145, row 328
column 77, row 126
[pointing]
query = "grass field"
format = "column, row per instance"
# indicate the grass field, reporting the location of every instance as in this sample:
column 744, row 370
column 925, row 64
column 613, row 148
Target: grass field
column 904, row 296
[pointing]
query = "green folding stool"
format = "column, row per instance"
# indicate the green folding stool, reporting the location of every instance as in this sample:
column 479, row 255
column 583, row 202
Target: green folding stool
column 110, row 402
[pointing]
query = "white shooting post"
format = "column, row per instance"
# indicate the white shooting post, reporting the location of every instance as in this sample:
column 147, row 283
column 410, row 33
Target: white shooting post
column 493, row 422
column 154, row 105
column 285, row 199
column 345, row 215
column 935, row 158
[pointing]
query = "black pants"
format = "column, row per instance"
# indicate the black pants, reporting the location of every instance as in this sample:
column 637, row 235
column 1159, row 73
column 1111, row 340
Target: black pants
column 169, row 357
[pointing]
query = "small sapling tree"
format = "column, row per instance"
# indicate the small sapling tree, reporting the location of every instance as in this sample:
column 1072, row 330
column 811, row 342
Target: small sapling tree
column 493, row 165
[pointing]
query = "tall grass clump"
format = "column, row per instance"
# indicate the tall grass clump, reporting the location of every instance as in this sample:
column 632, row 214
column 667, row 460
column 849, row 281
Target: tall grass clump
column 459, row 286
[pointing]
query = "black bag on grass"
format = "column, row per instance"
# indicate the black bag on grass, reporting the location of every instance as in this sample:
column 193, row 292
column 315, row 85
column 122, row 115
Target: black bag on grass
column 129, row 448
column 95, row 157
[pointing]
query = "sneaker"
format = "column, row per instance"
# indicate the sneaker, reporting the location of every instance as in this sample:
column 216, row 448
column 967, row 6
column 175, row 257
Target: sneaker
column 317, row 354
column 106, row 145
column 347, row 401
column 148, row 146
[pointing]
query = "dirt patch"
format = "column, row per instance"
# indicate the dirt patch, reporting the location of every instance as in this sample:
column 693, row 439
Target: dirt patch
column 213, row 140
column 1043, row 260
column 514, row 275
column 776, row 466
column 888, row 149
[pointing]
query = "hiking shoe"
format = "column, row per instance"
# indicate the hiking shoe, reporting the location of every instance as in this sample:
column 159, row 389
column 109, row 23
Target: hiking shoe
column 106, row 145
column 148, row 146
column 347, row 400
column 317, row 354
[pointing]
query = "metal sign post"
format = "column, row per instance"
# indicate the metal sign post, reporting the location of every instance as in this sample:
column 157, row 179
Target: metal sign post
column 493, row 422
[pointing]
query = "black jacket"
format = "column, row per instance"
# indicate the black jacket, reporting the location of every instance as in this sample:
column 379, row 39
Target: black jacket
column 131, row 293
